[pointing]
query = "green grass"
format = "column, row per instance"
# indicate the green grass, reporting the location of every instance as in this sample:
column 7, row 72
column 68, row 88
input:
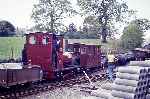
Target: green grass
column 7, row 44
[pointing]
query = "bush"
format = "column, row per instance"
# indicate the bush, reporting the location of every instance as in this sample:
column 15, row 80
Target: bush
column 6, row 29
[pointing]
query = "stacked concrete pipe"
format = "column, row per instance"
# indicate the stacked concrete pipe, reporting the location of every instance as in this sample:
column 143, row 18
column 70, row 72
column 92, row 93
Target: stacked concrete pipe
column 148, row 86
column 130, row 83
column 145, row 64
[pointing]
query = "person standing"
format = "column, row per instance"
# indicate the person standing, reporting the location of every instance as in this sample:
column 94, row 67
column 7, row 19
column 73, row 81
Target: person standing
column 111, row 64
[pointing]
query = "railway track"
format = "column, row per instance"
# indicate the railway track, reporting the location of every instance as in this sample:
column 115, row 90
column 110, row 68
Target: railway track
column 17, row 92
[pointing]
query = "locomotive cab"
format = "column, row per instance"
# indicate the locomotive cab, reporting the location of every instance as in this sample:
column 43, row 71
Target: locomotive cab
column 46, row 50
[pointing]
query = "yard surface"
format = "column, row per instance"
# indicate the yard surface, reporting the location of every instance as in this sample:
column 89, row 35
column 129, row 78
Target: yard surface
column 77, row 91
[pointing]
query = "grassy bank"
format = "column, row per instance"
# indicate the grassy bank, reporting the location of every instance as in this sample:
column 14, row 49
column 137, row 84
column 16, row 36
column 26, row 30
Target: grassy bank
column 9, row 44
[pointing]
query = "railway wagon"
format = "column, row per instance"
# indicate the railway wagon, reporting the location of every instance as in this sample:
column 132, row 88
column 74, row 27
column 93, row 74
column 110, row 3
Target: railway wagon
column 15, row 74
column 89, row 55
column 141, row 53
column 46, row 50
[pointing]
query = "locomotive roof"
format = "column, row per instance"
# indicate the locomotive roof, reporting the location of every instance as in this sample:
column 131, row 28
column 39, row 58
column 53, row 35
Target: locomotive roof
column 44, row 33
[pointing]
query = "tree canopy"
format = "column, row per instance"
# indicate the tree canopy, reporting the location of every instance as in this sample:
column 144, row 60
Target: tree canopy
column 72, row 28
column 83, row 33
column 48, row 14
column 107, row 12
column 91, row 26
column 132, row 36
column 142, row 24
column 6, row 28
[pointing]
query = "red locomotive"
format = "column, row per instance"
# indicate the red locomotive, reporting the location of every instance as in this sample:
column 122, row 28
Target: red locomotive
column 46, row 51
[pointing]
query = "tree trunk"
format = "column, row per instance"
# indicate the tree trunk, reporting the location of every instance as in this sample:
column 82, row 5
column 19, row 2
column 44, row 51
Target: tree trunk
column 52, row 27
column 104, row 35
column 52, row 22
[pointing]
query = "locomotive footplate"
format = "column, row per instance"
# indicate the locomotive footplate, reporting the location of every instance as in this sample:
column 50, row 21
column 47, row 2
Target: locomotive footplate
column 68, row 72
column 71, row 67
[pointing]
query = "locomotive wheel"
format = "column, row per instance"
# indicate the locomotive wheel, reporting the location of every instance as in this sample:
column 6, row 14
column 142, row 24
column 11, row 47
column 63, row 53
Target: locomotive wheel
column 59, row 76
column 74, row 73
column 75, row 61
column 88, row 70
column 78, row 70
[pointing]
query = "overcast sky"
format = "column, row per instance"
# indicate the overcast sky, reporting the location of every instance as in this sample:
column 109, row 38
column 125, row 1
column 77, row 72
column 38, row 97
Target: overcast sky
column 142, row 6
column 18, row 11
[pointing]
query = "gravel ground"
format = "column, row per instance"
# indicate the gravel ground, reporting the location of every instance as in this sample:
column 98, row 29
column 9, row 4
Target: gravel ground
column 75, row 92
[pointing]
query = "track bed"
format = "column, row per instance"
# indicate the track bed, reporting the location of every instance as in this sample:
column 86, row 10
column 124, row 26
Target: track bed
column 17, row 92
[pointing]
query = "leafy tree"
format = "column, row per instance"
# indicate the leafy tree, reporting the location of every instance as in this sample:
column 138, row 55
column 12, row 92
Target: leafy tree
column 73, row 35
column 133, row 34
column 107, row 12
column 48, row 14
column 6, row 28
column 72, row 28
column 142, row 24
column 82, row 33
column 91, row 26
column 132, row 37
column 72, row 32
column 20, row 31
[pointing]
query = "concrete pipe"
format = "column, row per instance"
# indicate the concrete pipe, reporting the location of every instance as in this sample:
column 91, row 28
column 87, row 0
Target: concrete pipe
column 144, row 83
column 142, row 96
column 139, row 67
column 148, row 96
column 102, row 93
column 126, row 82
column 107, row 86
column 132, row 70
column 128, row 89
column 145, row 63
column 112, row 97
column 131, row 76
column 148, row 90
column 124, row 95
column 148, row 70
